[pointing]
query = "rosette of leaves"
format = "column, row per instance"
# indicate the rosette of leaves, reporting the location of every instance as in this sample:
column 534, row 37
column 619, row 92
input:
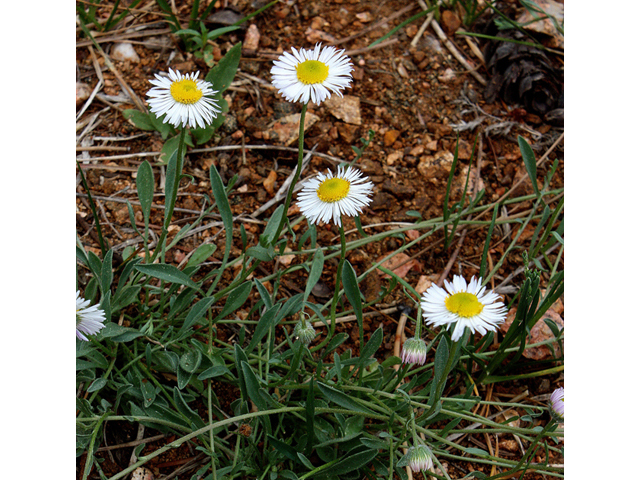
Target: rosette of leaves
column 522, row 74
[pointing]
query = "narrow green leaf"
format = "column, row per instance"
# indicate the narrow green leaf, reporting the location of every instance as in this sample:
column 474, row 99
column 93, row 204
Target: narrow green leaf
column 215, row 371
column 198, row 311
column 106, row 276
column 187, row 30
column 272, row 227
column 165, row 129
column 476, row 451
column 167, row 360
column 265, row 324
column 95, row 264
column 145, row 186
column 222, row 201
column 190, row 361
column 212, row 35
column 124, row 297
column 202, row 253
column 126, row 271
column 285, row 449
column 203, row 135
column 335, row 342
column 185, row 409
column 351, row 463
column 317, row 266
column 264, row 294
column 371, row 347
column 351, row 290
column 310, row 414
column 235, row 299
column 222, row 74
column 168, row 273
column 98, row 384
column 253, row 386
column 139, row 119
column 82, row 256
column 240, row 357
column 170, row 148
column 305, row 461
column 261, row 253
column 148, row 393
column 184, row 378
column 529, row 162
column 342, row 399
column 439, row 365
column 131, row 334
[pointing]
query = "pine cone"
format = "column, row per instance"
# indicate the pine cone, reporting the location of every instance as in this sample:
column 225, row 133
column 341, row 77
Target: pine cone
column 521, row 74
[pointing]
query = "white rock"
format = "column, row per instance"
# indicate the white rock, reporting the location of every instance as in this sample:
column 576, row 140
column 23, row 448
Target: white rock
column 124, row 51
column 82, row 93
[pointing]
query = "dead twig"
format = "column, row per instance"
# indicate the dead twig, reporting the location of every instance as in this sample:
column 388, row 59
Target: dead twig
column 378, row 24
column 458, row 56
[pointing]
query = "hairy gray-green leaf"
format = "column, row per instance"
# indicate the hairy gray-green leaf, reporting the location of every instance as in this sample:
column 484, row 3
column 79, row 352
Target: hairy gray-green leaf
column 529, row 162
column 198, row 311
column 106, row 275
column 201, row 254
column 222, row 74
column 139, row 119
column 168, row 273
column 351, row 290
column 314, row 274
column 145, row 185
column 235, row 299
column 265, row 324
column 342, row 399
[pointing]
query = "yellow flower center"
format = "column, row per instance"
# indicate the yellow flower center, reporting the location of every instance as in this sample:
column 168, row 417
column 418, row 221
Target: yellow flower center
column 312, row 71
column 186, row 91
column 333, row 189
column 464, row 304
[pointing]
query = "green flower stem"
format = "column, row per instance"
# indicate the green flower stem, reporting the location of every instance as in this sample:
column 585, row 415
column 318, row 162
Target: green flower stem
column 336, row 294
column 296, row 177
column 89, row 460
column 209, row 402
column 170, row 203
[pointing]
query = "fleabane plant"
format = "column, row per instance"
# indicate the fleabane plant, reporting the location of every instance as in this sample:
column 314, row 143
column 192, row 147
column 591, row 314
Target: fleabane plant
column 305, row 75
column 327, row 197
column 461, row 306
column 185, row 99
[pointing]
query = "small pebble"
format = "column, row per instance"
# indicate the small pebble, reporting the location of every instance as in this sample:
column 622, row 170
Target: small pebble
column 124, row 51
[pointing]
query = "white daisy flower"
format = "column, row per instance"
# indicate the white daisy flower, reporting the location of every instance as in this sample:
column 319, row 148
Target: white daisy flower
column 311, row 74
column 88, row 320
column 327, row 197
column 466, row 306
column 184, row 98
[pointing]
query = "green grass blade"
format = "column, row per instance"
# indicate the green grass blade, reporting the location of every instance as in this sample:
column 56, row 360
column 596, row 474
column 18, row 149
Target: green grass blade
column 529, row 162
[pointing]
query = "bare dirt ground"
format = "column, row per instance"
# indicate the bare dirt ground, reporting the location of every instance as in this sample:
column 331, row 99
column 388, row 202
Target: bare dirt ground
column 410, row 90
